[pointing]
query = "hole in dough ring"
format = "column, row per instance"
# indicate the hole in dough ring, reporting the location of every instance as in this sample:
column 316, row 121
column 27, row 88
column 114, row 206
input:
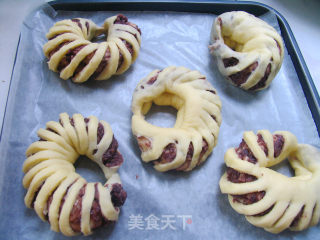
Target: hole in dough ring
column 249, row 51
column 196, row 129
column 71, row 52
column 269, row 199
column 56, row 192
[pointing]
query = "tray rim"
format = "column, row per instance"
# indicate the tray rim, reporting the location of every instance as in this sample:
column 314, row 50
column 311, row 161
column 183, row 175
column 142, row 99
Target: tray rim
column 304, row 76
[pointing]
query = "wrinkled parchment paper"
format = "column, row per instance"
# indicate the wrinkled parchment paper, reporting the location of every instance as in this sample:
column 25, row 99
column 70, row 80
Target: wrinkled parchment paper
column 169, row 205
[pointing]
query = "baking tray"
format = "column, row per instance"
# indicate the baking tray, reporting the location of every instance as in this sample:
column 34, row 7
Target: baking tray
column 215, row 7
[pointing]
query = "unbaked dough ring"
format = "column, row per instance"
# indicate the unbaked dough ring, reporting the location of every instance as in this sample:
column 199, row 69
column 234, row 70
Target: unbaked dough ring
column 249, row 51
column 267, row 198
column 60, row 195
column 71, row 52
column 196, row 130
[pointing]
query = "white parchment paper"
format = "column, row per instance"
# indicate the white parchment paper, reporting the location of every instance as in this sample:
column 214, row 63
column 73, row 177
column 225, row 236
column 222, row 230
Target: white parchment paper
column 182, row 205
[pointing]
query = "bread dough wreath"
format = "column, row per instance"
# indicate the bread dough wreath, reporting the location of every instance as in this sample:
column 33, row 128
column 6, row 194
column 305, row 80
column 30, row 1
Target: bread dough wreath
column 71, row 52
column 267, row 198
column 249, row 51
column 196, row 130
column 60, row 195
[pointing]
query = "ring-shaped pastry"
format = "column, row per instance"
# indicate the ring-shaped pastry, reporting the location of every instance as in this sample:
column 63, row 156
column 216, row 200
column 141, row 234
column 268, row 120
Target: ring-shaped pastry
column 249, row 51
column 196, row 130
column 56, row 192
column 71, row 52
column 267, row 198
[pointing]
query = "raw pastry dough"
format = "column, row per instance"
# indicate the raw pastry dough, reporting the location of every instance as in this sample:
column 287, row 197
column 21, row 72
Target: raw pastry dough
column 249, row 51
column 71, row 53
column 267, row 198
column 195, row 133
column 60, row 195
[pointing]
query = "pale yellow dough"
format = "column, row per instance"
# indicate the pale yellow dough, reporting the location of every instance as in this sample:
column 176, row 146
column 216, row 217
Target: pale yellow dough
column 49, row 169
column 285, row 197
column 246, row 44
column 198, row 118
column 70, row 31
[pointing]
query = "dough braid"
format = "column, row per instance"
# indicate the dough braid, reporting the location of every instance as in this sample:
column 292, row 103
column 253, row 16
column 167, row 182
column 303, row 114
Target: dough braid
column 60, row 195
column 249, row 51
column 196, row 130
column 71, row 52
column 267, row 198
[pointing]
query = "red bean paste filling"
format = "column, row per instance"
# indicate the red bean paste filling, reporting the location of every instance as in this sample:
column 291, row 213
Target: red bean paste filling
column 264, row 212
column 212, row 91
column 87, row 120
column 153, row 79
column 83, row 63
column 168, row 155
column 170, row 151
column 120, row 60
column 245, row 154
column 96, row 217
column 130, row 49
column 68, row 57
column 297, row 218
column 128, row 46
column 121, row 19
column 36, row 194
column 249, row 198
column 263, row 80
column 118, row 195
column 204, row 149
column 100, row 132
column 71, row 122
column 278, row 143
column 87, row 26
column 189, row 156
column 51, row 130
column 75, row 214
column 213, row 116
column 238, row 177
column 229, row 62
column 49, row 201
column 54, row 36
column 111, row 157
column 144, row 143
column 78, row 22
column 105, row 59
column 241, row 77
column 50, row 198
column 220, row 22
column 262, row 144
column 58, row 48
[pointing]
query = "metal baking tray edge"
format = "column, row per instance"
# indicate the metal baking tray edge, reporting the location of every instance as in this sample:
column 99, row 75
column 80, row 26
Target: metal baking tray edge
column 216, row 7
